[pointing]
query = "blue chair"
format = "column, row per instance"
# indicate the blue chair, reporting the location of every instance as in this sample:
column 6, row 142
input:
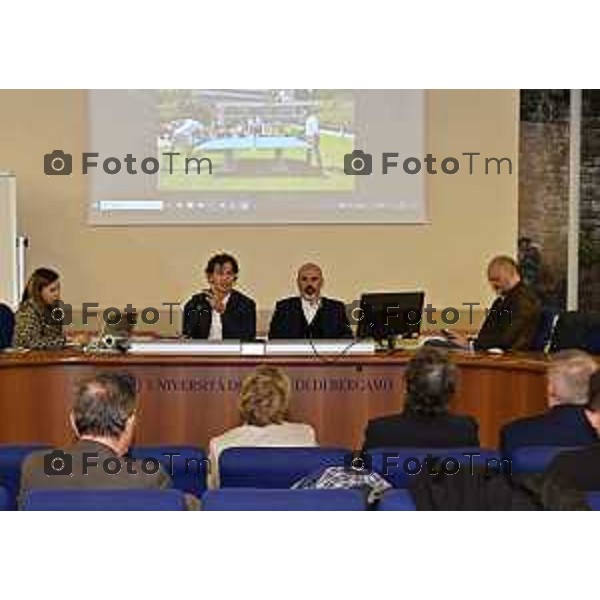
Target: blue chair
column 399, row 465
column 11, row 457
column 5, row 499
column 274, row 468
column 593, row 499
column 534, row 459
column 186, row 465
column 7, row 326
column 396, row 500
column 112, row 500
column 548, row 320
column 283, row 500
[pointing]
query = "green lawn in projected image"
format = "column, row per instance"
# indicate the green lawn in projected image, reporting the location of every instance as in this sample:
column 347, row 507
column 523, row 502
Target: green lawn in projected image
column 295, row 178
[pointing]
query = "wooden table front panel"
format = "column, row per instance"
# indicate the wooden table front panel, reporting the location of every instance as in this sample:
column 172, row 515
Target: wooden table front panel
column 188, row 401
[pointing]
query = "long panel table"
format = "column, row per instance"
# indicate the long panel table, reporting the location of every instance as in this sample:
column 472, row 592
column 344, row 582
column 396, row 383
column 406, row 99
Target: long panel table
column 188, row 400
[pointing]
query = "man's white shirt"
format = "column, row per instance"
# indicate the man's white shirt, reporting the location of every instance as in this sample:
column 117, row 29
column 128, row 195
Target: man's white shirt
column 310, row 308
column 216, row 324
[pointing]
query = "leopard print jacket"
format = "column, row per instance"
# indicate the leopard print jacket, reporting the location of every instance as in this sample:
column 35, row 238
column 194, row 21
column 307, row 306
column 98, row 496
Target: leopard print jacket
column 32, row 330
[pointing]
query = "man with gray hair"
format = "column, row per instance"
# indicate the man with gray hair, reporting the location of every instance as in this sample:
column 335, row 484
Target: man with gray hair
column 580, row 469
column 565, row 423
column 103, row 419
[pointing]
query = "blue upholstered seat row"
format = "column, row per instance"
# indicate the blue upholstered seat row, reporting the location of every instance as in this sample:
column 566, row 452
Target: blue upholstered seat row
column 260, row 478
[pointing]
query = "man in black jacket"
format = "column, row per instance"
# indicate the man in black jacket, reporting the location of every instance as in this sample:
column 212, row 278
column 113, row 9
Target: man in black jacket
column 425, row 421
column 309, row 315
column 565, row 423
column 580, row 469
column 513, row 319
column 220, row 312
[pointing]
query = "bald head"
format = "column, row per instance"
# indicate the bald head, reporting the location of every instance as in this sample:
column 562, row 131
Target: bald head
column 503, row 274
column 310, row 281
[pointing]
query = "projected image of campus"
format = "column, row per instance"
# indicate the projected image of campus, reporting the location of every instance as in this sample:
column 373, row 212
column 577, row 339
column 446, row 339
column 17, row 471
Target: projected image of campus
column 257, row 140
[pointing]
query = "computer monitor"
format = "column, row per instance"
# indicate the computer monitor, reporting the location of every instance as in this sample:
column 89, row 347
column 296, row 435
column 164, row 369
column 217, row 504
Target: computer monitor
column 390, row 314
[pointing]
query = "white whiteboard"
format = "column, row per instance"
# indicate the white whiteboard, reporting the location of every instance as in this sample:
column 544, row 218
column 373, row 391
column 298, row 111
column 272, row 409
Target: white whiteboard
column 8, row 241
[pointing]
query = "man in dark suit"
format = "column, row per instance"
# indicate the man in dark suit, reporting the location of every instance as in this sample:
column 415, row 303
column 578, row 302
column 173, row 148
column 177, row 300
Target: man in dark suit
column 513, row 319
column 580, row 469
column 565, row 423
column 103, row 419
column 309, row 315
column 220, row 312
column 425, row 421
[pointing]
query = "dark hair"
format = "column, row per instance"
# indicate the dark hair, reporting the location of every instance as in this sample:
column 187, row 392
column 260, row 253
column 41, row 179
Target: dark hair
column 220, row 260
column 39, row 279
column 594, row 397
column 430, row 383
column 103, row 404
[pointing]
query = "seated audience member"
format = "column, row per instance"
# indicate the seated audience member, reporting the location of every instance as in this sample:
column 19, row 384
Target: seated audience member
column 264, row 401
column 309, row 315
column 580, row 469
column 220, row 312
column 103, row 420
column 35, row 326
column 513, row 319
column 565, row 423
column 425, row 421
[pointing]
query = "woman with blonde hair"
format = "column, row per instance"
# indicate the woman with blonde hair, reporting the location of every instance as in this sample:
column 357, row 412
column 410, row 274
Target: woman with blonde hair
column 37, row 326
column 264, row 403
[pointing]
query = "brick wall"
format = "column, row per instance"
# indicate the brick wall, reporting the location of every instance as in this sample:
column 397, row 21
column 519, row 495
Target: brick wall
column 589, row 240
column 544, row 185
column 543, row 190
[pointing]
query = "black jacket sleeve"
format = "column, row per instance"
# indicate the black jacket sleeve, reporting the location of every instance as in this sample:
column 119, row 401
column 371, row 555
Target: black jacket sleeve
column 240, row 321
column 344, row 331
column 276, row 329
column 196, row 317
column 473, row 432
column 370, row 437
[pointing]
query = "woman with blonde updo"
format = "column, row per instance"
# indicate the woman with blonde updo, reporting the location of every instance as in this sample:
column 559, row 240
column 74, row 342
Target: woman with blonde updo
column 264, row 403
